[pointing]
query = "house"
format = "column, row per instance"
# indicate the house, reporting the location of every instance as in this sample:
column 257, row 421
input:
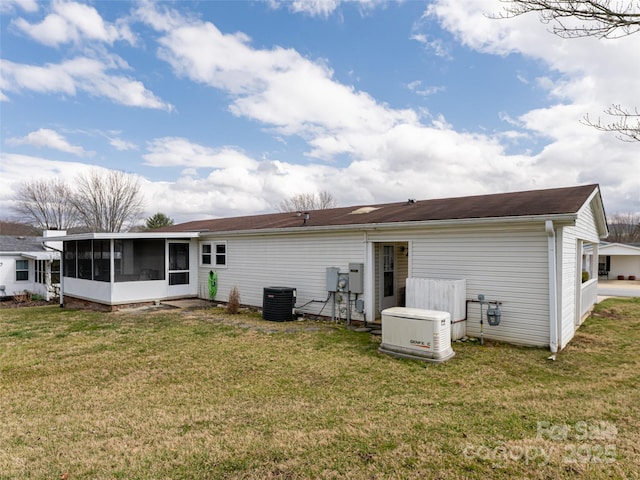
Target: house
column 521, row 250
column 31, row 264
column 619, row 260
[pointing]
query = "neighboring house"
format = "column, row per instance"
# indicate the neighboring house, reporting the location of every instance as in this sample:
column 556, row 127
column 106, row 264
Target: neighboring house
column 30, row 264
column 619, row 259
column 521, row 249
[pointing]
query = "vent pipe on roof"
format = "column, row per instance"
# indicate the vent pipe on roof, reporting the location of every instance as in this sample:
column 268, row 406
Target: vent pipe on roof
column 411, row 201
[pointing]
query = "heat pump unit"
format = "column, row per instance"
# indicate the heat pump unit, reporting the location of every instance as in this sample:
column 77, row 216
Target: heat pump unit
column 417, row 334
column 278, row 304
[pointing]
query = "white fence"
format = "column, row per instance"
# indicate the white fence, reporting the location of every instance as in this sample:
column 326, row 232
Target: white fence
column 588, row 296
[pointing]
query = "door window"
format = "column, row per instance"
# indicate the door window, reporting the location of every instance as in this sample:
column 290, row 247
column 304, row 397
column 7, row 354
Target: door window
column 388, row 270
column 178, row 263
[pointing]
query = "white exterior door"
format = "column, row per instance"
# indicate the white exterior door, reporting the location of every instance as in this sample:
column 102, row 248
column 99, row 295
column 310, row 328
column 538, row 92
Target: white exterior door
column 179, row 272
column 387, row 277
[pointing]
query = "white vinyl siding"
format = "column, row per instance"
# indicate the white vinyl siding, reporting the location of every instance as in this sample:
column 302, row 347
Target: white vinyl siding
column 569, row 274
column 586, row 224
column 286, row 260
column 506, row 261
column 507, row 264
column 10, row 265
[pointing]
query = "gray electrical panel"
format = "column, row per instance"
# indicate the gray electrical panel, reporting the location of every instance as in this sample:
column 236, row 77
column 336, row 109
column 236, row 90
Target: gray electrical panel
column 356, row 277
column 332, row 279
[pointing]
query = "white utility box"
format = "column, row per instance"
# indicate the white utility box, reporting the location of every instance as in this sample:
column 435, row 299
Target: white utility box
column 417, row 334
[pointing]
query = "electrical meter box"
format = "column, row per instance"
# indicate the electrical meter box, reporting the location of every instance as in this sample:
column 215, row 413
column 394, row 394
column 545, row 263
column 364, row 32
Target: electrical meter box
column 356, row 277
column 332, row 279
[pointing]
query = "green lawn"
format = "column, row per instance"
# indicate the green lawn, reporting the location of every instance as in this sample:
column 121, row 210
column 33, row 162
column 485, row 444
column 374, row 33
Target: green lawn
column 171, row 395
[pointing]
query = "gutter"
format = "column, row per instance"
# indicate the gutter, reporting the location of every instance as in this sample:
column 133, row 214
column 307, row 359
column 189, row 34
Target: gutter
column 123, row 236
column 370, row 227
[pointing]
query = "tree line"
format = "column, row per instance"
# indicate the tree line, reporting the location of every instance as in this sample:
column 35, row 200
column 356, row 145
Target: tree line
column 109, row 201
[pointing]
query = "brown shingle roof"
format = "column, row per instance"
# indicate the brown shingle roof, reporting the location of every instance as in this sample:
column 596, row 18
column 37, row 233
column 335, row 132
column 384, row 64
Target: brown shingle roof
column 533, row 202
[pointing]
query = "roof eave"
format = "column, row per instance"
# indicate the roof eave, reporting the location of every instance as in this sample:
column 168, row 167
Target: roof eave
column 125, row 236
column 601, row 216
column 559, row 218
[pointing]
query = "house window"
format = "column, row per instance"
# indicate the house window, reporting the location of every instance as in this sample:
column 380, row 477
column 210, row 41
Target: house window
column 22, row 270
column 41, row 272
column 55, row 271
column 214, row 253
column 221, row 254
column 388, row 270
column 205, row 254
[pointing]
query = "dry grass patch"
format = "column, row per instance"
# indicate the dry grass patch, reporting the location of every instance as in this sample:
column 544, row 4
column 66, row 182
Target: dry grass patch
column 208, row 395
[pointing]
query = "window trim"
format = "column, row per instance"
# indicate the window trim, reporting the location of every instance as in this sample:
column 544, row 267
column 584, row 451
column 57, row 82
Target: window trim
column 213, row 254
column 202, row 253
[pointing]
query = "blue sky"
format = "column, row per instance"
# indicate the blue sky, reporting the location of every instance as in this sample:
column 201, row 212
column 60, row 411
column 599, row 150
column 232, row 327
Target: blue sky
column 226, row 108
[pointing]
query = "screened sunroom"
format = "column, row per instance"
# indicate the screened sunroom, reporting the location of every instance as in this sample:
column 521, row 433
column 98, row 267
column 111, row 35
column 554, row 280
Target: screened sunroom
column 122, row 268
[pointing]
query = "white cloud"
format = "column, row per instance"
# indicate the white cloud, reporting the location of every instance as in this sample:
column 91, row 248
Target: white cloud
column 278, row 87
column 47, row 138
column 294, row 95
column 435, row 45
column 81, row 73
column 588, row 68
column 424, row 91
column 174, row 151
column 586, row 76
column 15, row 169
column 324, row 8
column 8, row 6
column 74, row 22
column 121, row 145
column 385, row 154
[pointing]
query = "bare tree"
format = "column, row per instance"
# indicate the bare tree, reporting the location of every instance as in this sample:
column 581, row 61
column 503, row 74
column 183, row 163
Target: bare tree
column 604, row 19
column 108, row 202
column 48, row 204
column 624, row 228
column 625, row 123
column 596, row 18
column 307, row 201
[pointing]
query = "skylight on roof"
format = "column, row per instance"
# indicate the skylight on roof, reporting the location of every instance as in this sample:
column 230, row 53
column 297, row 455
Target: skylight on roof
column 362, row 210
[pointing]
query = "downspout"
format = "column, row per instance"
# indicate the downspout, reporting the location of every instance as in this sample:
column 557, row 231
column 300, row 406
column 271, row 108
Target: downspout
column 553, row 290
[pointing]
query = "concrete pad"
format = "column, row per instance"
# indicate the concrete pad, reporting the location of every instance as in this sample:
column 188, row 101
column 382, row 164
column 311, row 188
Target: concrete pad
column 189, row 303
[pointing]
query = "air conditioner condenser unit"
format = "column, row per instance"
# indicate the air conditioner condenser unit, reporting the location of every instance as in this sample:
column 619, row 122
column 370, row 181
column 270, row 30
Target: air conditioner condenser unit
column 417, row 334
